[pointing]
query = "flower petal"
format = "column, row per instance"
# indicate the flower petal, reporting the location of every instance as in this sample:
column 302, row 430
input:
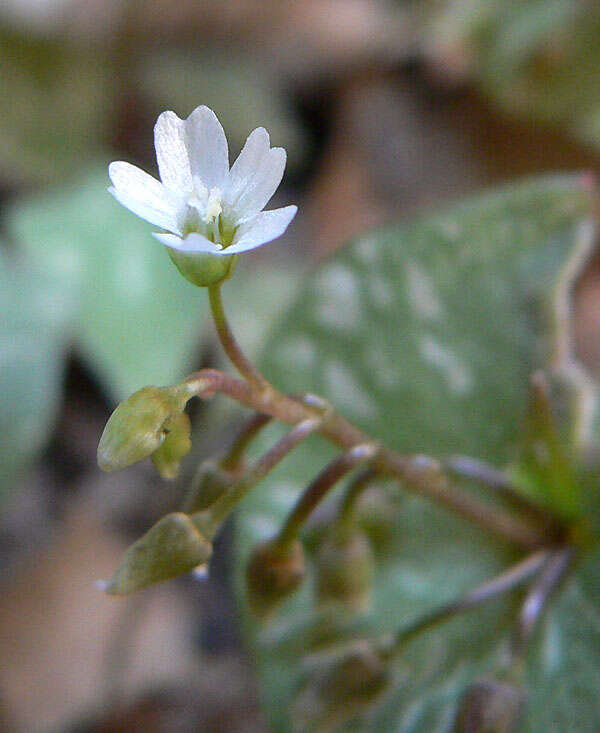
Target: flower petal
column 263, row 228
column 192, row 243
column 207, row 147
column 144, row 195
column 261, row 186
column 171, row 153
column 247, row 163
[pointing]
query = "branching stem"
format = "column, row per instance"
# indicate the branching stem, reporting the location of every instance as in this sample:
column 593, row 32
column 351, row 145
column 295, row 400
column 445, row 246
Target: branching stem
column 493, row 588
column 234, row 457
column 319, row 487
column 419, row 474
column 551, row 576
column 221, row 508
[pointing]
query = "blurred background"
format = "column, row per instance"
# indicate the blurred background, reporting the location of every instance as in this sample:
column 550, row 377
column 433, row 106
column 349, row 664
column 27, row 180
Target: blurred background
column 385, row 108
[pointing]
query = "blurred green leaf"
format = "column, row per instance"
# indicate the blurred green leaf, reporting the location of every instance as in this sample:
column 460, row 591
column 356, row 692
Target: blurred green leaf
column 139, row 322
column 53, row 119
column 33, row 337
column 425, row 335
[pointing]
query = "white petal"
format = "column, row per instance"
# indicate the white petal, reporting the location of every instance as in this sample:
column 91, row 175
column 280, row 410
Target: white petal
column 171, row 153
column 207, row 147
column 263, row 184
column 247, row 163
column 263, row 228
column 192, row 243
column 144, row 195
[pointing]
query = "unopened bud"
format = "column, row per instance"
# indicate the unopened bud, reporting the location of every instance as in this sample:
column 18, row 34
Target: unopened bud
column 141, row 424
column 208, row 485
column 273, row 573
column 377, row 514
column 172, row 547
column 490, row 706
column 343, row 689
column 344, row 566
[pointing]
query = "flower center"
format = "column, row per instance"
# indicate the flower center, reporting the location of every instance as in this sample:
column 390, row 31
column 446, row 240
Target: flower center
column 213, row 206
column 205, row 216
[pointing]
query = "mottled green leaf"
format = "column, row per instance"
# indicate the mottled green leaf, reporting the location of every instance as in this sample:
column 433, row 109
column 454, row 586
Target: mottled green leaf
column 426, row 335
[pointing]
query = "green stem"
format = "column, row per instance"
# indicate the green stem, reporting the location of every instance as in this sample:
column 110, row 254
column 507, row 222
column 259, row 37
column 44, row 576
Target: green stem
column 420, row 474
column 234, row 457
column 229, row 343
column 353, row 492
column 319, row 487
column 551, row 576
column 502, row 583
column 480, row 472
column 223, row 506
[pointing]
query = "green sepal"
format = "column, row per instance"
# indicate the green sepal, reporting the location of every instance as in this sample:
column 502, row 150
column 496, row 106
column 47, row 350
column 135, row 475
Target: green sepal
column 209, row 484
column 203, row 269
column 344, row 565
column 176, row 445
column 140, row 425
column 172, row 547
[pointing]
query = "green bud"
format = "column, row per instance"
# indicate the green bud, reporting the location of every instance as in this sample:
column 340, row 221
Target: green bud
column 274, row 571
column 173, row 546
column 343, row 689
column 377, row 513
column 141, row 424
column 208, row 485
column 174, row 447
column 344, row 565
column 490, row 706
column 203, row 269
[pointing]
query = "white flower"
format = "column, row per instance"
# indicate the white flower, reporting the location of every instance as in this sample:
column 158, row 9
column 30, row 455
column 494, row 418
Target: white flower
column 206, row 208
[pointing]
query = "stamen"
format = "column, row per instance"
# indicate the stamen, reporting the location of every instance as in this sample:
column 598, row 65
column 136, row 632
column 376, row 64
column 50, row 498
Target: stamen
column 213, row 205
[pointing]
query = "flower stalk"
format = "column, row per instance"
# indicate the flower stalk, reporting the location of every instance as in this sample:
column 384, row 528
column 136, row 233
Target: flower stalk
column 419, row 474
column 244, row 366
column 320, row 486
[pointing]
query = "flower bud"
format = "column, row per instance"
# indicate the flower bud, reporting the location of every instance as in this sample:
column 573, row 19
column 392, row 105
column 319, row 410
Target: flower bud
column 140, row 425
column 203, row 269
column 344, row 566
column 341, row 690
column 490, row 706
column 377, row 513
column 274, row 571
column 173, row 546
column 208, row 485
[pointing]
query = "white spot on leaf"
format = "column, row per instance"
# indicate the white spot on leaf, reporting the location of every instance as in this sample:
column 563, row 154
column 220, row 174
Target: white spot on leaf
column 345, row 392
column 457, row 374
column 297, row 352
column 338, row 298
column 421, row 293
column 381, row 292
column 367, row 251
column 382, row 366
